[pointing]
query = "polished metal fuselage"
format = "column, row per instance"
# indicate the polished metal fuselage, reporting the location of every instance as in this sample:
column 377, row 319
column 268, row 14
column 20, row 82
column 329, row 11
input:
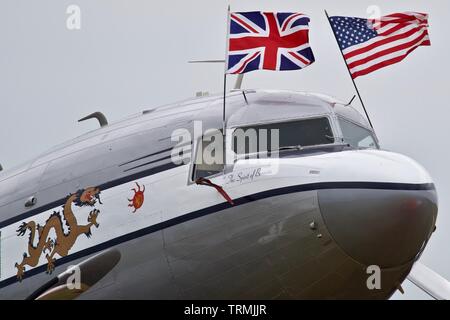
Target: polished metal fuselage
column 308, row 231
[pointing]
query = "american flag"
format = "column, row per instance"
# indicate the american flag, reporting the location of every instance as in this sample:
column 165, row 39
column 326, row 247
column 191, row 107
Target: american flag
column 369, row 44
column 268, row 40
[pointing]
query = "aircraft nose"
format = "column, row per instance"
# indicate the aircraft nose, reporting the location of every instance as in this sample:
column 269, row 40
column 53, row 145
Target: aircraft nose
column 382, row 224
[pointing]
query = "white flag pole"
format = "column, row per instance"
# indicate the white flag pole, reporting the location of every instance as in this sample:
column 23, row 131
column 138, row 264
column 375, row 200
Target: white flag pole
column 225, row 72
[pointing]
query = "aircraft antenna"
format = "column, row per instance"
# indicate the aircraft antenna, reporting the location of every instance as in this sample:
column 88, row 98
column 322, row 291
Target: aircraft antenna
column 351, row 100
column 245, row 96
column 96, row 115
column 239, row 79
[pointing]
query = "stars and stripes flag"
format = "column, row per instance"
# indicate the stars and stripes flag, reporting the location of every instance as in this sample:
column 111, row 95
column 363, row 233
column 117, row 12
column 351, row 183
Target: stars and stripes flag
column 369, row 44
column 268, row 40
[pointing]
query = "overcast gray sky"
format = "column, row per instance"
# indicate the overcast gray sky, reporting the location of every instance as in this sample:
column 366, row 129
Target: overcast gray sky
column 132, row 54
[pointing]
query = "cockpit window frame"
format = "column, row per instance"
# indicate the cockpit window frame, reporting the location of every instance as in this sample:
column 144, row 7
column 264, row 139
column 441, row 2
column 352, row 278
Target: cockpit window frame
column 341, row 117
column 193, row 165
column 230, row 131
column 331, row 122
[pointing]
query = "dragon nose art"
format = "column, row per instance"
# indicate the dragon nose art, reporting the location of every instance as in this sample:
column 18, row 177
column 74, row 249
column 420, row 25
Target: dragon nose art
column 388, row 228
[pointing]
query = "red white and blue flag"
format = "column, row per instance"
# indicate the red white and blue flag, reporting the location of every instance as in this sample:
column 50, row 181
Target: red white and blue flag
column 268, row 40
column 372, row 44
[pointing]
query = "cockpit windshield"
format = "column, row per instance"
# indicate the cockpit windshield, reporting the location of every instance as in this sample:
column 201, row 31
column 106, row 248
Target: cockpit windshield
column 300, row 133
column 357, row 136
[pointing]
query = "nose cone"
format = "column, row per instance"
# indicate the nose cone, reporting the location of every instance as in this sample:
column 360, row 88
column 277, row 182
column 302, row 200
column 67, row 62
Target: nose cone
column 381, row 223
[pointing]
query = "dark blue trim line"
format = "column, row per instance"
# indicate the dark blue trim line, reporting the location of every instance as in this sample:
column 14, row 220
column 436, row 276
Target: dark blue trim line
column 147, row 163
column 147, row 156
column 150, row 162
column 156, row 153
column 220, row 207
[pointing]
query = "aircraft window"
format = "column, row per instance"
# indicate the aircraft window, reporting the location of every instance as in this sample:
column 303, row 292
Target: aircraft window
column 209, row 159
column 308, row 132
column 357, row 136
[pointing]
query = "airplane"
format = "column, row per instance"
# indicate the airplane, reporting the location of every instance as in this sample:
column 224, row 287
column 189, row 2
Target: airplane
column 308, row 219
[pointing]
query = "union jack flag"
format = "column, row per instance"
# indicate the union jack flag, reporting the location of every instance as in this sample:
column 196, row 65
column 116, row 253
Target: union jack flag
column 268, row 40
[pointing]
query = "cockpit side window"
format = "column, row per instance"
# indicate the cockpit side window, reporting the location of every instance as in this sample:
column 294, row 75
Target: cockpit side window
column 303, row 133
column 357, row 136
column 209, row 160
